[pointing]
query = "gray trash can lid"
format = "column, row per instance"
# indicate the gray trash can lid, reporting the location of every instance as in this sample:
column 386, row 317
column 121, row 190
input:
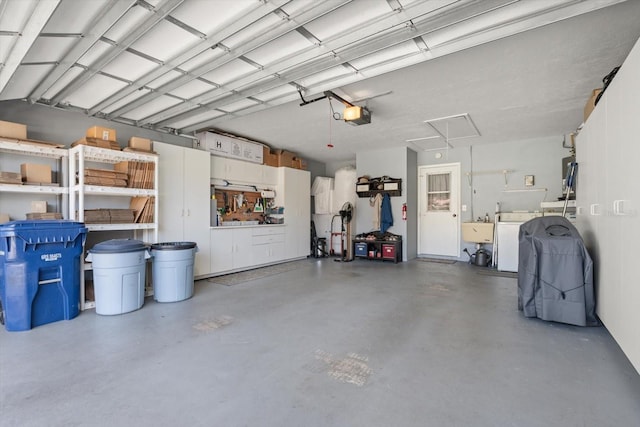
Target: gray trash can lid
column 173, row 246
column 117, row 246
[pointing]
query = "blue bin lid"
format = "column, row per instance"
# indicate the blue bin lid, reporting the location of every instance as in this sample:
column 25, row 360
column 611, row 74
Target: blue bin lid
column 173, row 246
column 39, row 224
column 43, row 230
column 117, row 246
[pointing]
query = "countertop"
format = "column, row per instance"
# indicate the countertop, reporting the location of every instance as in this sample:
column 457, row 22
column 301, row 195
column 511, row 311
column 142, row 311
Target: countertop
column 227, row 227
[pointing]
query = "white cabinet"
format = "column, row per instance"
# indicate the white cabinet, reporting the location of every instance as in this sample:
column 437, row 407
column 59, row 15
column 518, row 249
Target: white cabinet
column 294, row 194
column 83, row 196
column 508, row 247
column 268, row 245
column 231, row 249
column 608, row 203
column 221, row 249
column 16, row 198
column 241, row 172
column 269, row 175
column 184, row 199
column 242, row 248
column 239, row 248
column 235, row 248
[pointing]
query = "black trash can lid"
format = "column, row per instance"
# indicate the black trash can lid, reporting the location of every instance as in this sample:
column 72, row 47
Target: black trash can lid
column 116, row 246
column 173, row 246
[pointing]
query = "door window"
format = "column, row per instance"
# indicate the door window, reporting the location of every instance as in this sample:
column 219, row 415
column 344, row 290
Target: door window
column 439, row 192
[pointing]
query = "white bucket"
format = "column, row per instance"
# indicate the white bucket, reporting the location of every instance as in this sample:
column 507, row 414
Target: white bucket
column 118, row 275
column 173, row 270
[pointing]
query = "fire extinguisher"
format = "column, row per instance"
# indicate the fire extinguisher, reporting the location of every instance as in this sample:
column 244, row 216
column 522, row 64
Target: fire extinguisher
column 404, row 211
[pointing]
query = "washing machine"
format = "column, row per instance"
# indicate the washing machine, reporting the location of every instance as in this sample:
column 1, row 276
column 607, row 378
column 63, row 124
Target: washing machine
column 507, row 231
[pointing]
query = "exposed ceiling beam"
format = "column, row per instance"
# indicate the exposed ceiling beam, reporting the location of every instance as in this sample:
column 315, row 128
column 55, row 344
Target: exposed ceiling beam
column 346, row 47
column 163, row 9
column 424, row 27
column 317, row 10
column 110, row 13
column 175, row 62
column 38, row 18
column 307, row 61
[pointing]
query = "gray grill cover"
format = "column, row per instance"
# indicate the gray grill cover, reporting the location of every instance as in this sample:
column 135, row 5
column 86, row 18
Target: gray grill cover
column 555, row 273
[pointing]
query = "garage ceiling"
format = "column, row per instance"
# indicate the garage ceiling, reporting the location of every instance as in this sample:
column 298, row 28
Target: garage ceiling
column 245, row 66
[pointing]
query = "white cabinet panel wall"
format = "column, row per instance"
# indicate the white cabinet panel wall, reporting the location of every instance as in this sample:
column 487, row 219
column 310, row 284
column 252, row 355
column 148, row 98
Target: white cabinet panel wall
column 241, row 247
column 608, row 200
column 184, row 199
column 294, row 195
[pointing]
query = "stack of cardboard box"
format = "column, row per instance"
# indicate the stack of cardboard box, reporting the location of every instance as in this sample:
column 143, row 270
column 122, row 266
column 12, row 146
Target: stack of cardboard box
column 280, row 158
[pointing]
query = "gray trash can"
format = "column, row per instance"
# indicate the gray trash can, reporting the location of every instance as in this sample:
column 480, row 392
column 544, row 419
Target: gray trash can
column 118, row 275
column 173, row 270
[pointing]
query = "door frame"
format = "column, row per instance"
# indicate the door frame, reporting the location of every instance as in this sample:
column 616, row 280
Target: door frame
column 422, row 171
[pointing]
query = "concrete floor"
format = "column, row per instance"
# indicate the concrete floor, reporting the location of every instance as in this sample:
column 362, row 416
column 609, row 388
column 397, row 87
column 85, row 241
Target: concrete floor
column 328, row 344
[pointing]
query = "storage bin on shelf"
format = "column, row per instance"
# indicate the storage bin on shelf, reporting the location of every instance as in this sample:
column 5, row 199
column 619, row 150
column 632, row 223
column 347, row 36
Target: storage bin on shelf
column 40, row 271
column 118, row 275
column 172, row 270
column 377, row 245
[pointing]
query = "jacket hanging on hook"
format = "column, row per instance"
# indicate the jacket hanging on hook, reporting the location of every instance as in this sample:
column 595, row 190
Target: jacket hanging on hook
column 386, row 217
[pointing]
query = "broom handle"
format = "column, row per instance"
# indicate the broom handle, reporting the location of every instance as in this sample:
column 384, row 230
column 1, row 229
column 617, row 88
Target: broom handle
column 570, row 182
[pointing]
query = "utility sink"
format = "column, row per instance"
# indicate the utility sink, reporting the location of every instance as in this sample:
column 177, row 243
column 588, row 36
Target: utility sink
column 477, row 232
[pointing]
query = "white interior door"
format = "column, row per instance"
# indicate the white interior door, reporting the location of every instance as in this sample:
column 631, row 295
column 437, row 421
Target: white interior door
column 439, row 224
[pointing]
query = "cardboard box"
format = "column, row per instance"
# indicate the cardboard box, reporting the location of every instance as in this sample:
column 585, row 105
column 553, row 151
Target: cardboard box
column 269, row 158
column 4, row 218
column 10, row 178
column 13, row 130
column 137, row 143
column 34, row 172
column 299, row 163
column 285, row 158
column 100, row 132
column 591, row 103
column 39, row 206
column 95, row 142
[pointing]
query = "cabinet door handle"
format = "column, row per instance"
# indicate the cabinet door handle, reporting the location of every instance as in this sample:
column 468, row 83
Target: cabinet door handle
column 618, row 207
column 594, row 209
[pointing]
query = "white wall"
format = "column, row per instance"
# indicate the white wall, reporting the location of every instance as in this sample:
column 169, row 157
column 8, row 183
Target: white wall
column 541, row 157
column 396, row 163
column 64, row 127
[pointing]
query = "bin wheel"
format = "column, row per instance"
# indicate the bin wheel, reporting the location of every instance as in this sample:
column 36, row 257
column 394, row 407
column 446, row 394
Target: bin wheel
column 1, row 315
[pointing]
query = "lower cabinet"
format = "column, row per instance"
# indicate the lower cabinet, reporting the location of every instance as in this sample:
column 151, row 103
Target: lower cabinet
column 268, row 245
column 240, row 248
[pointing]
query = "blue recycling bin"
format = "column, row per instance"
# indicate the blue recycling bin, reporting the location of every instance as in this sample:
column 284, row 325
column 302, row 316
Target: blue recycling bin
column 40, row 271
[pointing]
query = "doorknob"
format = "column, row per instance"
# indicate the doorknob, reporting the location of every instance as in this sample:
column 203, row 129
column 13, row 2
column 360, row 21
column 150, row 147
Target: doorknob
column 454, row 215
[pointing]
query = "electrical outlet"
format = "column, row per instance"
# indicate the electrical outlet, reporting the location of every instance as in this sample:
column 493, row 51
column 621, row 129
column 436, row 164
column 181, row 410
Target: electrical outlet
column 464, row 208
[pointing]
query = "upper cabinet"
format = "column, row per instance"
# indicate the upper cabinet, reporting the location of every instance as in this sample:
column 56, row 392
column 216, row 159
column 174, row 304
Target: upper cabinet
column 241, row 172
